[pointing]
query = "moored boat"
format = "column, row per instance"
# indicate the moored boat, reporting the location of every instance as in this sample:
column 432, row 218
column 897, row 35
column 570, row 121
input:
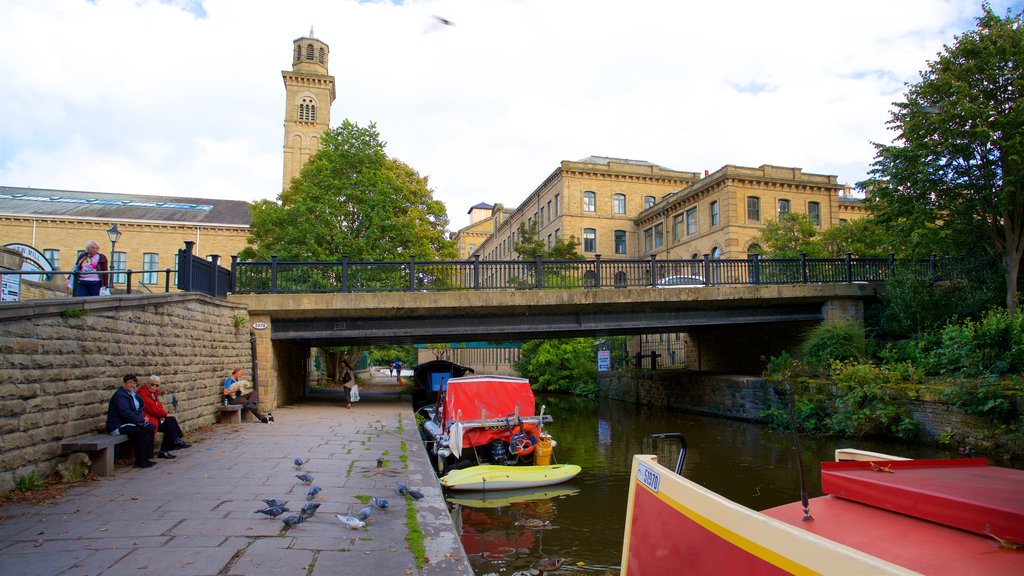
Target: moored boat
column 883, row 515
column 484, row 434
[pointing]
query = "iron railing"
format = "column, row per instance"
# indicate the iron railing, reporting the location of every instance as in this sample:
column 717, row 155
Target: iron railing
column 130, row 284
column 277, row 276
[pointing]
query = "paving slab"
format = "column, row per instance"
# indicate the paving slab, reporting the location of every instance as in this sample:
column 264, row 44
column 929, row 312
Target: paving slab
column 195, row 515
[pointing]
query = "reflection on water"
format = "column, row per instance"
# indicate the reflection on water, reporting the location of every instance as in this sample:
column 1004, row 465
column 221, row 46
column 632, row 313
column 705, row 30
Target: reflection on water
column 583, row 522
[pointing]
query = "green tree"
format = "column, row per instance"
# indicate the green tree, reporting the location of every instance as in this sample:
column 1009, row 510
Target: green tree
column 530, row 246
column 861, row 237
column 351, row 199
column 562, row 365
column 788, row 237
column 957, row 162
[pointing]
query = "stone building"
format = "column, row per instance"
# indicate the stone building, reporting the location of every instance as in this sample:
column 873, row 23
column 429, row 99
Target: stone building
column 307, row 111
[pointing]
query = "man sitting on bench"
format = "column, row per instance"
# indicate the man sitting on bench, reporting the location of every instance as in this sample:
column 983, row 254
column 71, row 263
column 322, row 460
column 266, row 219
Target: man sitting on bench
column 124, row 416
column 238, row 391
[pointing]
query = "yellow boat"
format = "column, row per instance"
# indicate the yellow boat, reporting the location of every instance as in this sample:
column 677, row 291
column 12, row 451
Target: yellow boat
column 496, row 477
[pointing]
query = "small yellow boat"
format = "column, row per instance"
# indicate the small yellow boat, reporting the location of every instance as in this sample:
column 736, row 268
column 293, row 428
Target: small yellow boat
column 496, row 477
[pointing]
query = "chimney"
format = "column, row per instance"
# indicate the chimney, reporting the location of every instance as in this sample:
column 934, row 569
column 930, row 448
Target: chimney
column 705, row 172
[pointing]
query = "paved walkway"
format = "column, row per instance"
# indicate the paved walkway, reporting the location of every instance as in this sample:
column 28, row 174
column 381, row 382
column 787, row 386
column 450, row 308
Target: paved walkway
column 194, row 516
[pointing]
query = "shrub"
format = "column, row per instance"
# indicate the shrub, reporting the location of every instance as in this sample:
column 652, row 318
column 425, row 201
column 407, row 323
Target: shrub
column 30, row 482
column 838, row 340
column 873, row 400
column 992, row 345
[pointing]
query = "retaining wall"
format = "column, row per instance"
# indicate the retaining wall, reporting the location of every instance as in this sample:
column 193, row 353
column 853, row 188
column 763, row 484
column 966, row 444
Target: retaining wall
column 62, row 358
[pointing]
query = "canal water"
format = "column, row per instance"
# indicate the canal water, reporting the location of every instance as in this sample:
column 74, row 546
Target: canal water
column 582, row 522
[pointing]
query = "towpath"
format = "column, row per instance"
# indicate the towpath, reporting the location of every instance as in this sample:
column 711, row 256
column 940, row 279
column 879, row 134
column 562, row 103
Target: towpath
column 194, row 515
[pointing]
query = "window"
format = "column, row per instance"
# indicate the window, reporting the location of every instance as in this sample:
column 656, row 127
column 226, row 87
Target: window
column 298, row 53
column 714, row 213
column 783, row 207
column 307, row 110
column 549, row 241
column 677, row 227
column 589, row 202
column 53, row 255
column 119, row 261
column 648, row 202
column 558, row 204
column 648, row 239
column 753, row 208
column 814, row 213
column 322, row 56
column 558, row 234
column 619, row 204
column 841, row 222
column 716, row 253
column 659, row 235
column 754, row 249
column 150, row 261
column 542, row 216
column 309, row 52
column 691, row 221
column 472, row 248
column 589, row 240
column 620, row 241
column 550, row 213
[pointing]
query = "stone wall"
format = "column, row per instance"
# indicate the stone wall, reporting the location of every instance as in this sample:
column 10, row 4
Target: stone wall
column 62, row 358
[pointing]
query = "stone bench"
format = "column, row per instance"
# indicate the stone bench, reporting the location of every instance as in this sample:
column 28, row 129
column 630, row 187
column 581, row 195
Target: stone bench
column 100, row 448
column 230, row 414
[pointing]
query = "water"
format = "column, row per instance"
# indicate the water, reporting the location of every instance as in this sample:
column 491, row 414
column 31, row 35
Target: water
column 583, row 521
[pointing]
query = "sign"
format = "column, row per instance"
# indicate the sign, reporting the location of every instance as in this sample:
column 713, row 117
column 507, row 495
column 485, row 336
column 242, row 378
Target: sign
column 259, row 325
column 648, row 477
column 10, row 287
column 604, row 360
column 32, row 259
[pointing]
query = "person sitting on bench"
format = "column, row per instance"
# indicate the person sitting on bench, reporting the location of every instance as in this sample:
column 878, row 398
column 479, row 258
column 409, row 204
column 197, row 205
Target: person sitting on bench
column 124, row 416
column 238, row 391
column 157, row 414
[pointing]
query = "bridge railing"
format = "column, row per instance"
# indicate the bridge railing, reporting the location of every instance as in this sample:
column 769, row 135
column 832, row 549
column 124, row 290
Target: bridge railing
column 277, row 276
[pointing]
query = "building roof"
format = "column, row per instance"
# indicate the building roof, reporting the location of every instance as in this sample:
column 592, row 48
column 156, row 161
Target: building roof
column 17, row 201
column 607, row 159
column 481, row 206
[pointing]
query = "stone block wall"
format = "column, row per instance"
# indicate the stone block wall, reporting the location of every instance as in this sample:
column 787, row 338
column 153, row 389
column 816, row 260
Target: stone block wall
column 741, row 397
column 62, row 358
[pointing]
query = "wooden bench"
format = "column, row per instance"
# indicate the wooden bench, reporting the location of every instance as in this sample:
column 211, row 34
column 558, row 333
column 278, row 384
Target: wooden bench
column 230, row 414
column 100, row 448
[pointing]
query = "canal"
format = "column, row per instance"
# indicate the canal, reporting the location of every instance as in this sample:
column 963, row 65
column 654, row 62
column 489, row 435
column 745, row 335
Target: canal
column 583, row 521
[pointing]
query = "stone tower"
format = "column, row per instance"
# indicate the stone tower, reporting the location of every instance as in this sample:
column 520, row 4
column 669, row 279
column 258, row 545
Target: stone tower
column 307, row 109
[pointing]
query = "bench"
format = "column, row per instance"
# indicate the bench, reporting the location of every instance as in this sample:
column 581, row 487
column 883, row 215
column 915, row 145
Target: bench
column 230, row 414
column 100, row 448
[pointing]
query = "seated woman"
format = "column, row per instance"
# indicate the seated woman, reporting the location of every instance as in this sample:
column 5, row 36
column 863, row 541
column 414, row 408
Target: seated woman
column 234, row 394
column 156, row 413
column 124, row 416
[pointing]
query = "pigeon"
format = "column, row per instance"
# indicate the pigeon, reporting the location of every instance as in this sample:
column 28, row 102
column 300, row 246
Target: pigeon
column 293, row 520
column 298, row 463
column 305, row 478
column 309, row 508
column 401, row 488
column 312, row 492
column 380, row 463
column 273, row 502
column 174, row 401
column 380, row 503
column 273, row 511
column 353, row 523
column 415, row 493
column 365, row 512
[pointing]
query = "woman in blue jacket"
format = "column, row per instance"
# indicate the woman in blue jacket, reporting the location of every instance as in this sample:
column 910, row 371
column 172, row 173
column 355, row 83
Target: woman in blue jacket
column 124, row 416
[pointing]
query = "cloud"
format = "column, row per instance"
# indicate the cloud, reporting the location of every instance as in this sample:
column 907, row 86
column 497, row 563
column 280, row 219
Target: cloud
column 183, row 97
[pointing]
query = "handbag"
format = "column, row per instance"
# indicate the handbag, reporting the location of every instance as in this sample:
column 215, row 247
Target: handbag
column 353, row 396
column 346, row 377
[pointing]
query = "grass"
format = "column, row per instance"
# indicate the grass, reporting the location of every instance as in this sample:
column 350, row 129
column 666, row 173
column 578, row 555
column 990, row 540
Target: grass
column 413, row 533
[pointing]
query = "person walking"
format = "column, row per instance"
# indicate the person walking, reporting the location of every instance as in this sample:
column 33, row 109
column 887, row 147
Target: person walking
column 347, row 382
column 156, row 413
column 124, row 416
column 234, row 394
column 88, row 264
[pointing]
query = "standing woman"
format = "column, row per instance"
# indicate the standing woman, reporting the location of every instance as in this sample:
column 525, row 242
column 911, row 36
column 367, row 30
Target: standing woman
column 87, row 265
column 347, row 382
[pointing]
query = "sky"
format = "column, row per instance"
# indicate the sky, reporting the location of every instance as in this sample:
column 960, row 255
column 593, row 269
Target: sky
column 185, row 97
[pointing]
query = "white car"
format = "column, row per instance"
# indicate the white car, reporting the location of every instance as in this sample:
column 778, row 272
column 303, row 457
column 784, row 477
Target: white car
column 681, row 282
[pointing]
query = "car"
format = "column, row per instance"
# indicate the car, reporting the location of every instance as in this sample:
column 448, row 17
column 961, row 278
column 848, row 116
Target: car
column 680, row 282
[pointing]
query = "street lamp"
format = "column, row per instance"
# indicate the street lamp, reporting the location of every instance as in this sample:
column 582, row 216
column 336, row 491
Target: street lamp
column 114, row 235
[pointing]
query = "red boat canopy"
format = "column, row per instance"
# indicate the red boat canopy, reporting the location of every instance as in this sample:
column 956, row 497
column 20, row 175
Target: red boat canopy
column 485, row 397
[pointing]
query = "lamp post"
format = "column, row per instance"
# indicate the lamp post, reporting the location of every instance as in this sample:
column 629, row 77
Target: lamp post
column 114, row 235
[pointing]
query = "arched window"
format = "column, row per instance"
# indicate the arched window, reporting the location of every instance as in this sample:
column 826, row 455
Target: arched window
column 589, row 202
column 322, row 56
column 754, row 249
column 753, row 209
column 716, row 253
column 783, row 206
column 298, row 52
column 648, row 202
column 307, row 110
column 619, row 203
column 309, row 52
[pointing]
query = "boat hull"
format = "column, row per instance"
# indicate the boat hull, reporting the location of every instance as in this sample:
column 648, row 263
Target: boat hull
column 493, row 477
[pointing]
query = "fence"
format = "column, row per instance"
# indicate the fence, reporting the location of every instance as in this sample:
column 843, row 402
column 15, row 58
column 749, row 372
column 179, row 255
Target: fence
column 278, row 276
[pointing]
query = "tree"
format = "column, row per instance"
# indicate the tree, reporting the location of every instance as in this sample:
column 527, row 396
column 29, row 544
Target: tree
column 351, row 199
column 529, row 245
column 788, row 237
column 861, row 237
column 562, row 365
column 957, row 161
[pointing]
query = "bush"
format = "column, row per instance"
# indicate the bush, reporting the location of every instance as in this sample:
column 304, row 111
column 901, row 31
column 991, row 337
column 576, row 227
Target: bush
column 873, row 400
column 992, row 345
column 30, row 482
column 838, row 340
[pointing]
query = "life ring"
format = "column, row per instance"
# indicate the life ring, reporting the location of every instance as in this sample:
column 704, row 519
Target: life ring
column 521, row 445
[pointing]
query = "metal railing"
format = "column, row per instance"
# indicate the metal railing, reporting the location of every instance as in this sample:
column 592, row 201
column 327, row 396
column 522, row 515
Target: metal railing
column 276, row 276
column 129, row 283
